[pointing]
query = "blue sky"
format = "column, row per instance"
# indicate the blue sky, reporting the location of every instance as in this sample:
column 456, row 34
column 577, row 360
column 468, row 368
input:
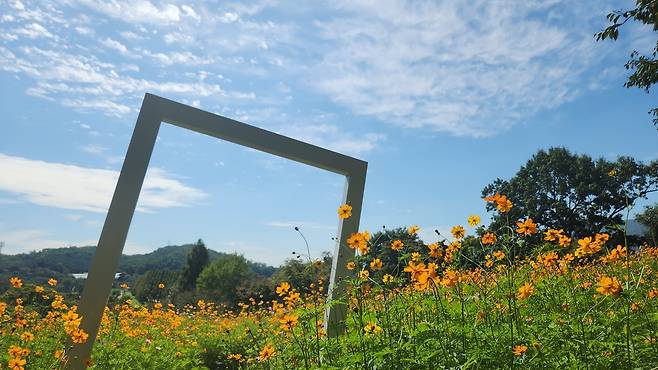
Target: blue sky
column 439, row 97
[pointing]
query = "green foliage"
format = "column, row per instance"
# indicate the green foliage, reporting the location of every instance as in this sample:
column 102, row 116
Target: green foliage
column 380, row 247
column 649, row 218
column 197, row 259
column 645, row 68
column 220, row 280
column 147, row 286
column 558, row 189
column 301, row 274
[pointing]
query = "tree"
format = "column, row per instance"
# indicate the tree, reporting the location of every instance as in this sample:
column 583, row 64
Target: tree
column 645, row 68
column 197, row 259
column 649, row 218
column 381, row 248
column 558, row 189
column 301, row 274
column 147, row 286
column 221, row 280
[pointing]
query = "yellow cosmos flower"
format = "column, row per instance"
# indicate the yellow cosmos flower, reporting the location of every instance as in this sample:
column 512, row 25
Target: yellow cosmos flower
column 473, row 220
column 389, row 278
column 52, row 282
column 371, row 328
column 350, row 265
column 161, row 286
column 345, row 211
column 364, row 274
column 458, row 232
column 412, row 230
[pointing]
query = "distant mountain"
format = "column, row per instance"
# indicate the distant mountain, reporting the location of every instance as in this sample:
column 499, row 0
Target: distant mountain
column 60, row 263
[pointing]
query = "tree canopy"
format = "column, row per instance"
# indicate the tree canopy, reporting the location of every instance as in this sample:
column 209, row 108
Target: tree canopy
column 197, row 259
column 220, row 281
column 644, row 67
column 559, row 189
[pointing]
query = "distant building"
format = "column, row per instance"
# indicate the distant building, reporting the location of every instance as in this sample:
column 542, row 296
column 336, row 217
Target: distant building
column 85, row 274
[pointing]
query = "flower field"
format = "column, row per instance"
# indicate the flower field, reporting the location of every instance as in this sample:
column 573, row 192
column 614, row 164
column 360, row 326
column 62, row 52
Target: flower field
column 572, row 303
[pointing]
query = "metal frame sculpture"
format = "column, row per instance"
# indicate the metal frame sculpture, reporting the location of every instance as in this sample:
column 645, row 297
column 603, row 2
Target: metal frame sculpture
column 153, row 112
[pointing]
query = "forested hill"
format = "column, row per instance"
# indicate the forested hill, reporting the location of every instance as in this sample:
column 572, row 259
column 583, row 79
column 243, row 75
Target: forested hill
column 62, row 262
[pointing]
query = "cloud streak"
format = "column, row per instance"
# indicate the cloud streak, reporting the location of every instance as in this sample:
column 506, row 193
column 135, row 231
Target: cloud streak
column 87, row 189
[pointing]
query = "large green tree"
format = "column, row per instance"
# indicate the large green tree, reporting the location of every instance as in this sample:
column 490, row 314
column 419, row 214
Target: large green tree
column 197, row 259
column 649, row 218
column 559, row 189
column 221, row 280
column 644, row 67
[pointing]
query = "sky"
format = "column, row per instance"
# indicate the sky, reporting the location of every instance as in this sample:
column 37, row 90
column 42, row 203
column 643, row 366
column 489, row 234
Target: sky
column 439, row 97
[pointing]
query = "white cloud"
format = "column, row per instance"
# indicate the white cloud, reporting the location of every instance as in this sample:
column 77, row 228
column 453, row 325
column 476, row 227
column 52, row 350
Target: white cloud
column 302, row 225
column 88, row 189
column 28, row 240
column 93, row 149
column 114, row 45
column 448, row 66
column 137, row 11
column 334, row 138
column 34, row 31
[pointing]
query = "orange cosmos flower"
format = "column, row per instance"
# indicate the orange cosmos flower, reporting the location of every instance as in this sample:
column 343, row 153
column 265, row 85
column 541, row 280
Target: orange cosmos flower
column 266, row 353
column 161, row 286
column 526, row 227
column 16, row 282
column 564, row 241
column 503, row 204
column 609, row 286
column 79, row 336
column 435, row 250
column 350, row 265
column 376, row 264
column 52, row 282
column 552, row 235
column 283, row 288
column 16, row 363
column 397, row 245
column 489, row 239
column 519, row 350
column 525, row 291
column 499, row 255
column 288, row 322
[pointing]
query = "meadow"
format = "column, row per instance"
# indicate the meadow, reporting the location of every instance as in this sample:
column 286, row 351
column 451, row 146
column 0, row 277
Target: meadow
column 571, row 303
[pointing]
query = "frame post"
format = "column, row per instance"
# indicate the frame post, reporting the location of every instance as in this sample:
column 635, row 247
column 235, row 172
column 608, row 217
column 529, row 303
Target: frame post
column 334, row 318
column 113, row 237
